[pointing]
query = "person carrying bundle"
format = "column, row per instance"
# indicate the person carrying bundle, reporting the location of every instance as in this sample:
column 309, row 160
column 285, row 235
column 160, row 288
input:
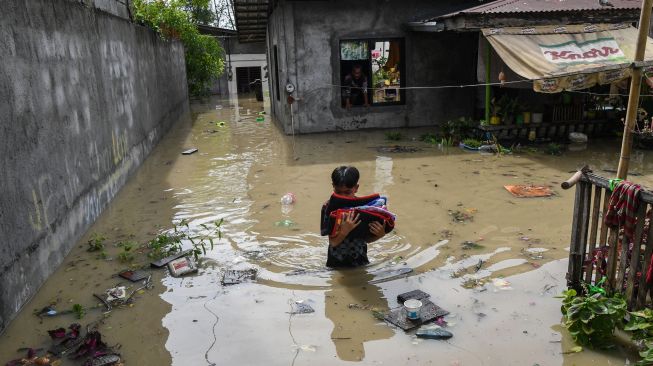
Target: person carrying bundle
column 352, row 222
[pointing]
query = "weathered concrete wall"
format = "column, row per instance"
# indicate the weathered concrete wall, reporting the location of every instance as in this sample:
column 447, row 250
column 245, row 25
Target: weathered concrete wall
column 84, row 97
column 230, row 45
column 307, row 35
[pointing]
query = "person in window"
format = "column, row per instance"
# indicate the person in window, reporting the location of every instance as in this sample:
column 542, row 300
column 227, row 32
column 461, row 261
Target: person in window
column 354, row 89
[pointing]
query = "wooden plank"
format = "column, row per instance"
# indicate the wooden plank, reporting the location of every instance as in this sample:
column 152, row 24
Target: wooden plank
column 643, row 286
column 574, row 271
column 585, row 224
column 612, row 260
column 645, row 195
column 634, row 254
column 596, row 204
column 604, row 228
column 623, row 262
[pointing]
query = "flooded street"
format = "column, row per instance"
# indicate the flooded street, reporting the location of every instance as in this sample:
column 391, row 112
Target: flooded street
column 243, row 168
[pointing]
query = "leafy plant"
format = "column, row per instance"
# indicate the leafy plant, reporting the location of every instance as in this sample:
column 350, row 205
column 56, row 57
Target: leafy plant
column 446, row 142
column 96, row 242
column 430, row 138
column 170, row 243
column 79, row 311
column 458, row 129
column 641, row 326
column 393, row 136
column 592, row 319
column 177, row 19
column 553, row 149
column 473, row 143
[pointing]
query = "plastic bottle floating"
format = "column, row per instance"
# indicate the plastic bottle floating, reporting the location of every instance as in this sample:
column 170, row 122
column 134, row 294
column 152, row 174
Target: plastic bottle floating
column 288, row 199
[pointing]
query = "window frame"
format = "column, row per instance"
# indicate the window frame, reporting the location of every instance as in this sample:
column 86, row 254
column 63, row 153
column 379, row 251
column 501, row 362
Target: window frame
column 370, row 88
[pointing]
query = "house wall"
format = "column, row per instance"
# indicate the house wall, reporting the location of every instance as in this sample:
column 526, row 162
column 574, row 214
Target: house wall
column 242, row 54
column 85, row 95
column 308, row 34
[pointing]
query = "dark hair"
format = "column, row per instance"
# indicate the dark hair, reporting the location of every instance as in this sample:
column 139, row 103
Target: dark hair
column 357, row 66
column 345, row 176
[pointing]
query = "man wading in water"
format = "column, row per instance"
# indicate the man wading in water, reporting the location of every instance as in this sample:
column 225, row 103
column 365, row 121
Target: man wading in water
column 346, row 249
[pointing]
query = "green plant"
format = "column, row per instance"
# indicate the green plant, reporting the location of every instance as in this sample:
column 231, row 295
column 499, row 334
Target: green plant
column 553, row 149
column 458, row 129
column 473, row 143
column 170, row 243
column 446, row 142
column 96, row 242
column 592, row 319
column 175, row 19
column 641, row 326
column 393, row 136
column 79, row 311
column 430, row 138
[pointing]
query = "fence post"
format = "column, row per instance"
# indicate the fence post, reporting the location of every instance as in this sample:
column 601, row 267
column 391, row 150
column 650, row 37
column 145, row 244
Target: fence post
column 578, row 235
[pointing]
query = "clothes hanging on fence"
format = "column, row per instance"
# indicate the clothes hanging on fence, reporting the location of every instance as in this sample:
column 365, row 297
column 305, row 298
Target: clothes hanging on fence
column 622, row 207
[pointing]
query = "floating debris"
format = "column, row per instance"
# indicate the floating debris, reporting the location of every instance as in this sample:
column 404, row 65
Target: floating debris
column 284, row 223
column 182, row 266
column 468, row 245
column 428, row 312
column 300, row 307
column 397, row 149
column 414, row 294
column 471, row 283
column 134, row 276
column 189, row 151
column 162, row 262
column 461, row 216
column 433, row 333
column 233, row 276
column 501, row 284
column 529, row 191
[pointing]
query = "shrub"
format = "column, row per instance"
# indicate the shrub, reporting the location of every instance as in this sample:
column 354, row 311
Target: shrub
column 203, row 54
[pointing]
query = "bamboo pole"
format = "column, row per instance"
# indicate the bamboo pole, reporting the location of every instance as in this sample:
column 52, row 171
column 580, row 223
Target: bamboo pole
column 635, row 85
column 488, row 89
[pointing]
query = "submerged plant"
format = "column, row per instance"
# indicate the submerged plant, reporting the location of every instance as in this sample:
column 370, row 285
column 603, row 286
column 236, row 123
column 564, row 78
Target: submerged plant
column 393, row 136
column 553, row 149
column 96, row 242
column 166, row 244
column 430, row 138
column 79, row 311
column 446, row 142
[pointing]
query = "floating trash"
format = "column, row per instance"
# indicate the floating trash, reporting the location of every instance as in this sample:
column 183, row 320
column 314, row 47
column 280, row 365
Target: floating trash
column 284, row 223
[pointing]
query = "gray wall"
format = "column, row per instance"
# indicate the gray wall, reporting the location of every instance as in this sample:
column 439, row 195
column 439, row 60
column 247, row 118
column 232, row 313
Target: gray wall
column 307, row 35
column 84, row 97
column 230, row 44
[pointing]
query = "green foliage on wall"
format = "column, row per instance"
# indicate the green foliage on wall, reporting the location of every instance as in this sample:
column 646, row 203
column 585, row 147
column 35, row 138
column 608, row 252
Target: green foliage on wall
column 174, row 19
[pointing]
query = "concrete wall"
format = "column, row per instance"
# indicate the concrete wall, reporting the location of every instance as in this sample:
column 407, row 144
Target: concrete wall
column 307, row 35
column 84, row 97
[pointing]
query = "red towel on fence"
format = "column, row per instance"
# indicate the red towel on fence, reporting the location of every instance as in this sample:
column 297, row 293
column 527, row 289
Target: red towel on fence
column 623, row 207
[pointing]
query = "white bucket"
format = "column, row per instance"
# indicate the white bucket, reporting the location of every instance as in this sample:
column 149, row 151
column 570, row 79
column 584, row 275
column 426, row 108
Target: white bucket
column 412, row 308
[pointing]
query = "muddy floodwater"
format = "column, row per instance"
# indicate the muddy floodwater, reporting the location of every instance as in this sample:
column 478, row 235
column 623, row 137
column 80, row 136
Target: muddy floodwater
column 242, row 169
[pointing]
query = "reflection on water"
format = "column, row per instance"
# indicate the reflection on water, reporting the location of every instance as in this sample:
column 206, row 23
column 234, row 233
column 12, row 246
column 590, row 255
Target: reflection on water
column 348, row 305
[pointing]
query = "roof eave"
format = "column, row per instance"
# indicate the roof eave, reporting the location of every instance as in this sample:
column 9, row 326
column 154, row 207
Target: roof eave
column 463, row 22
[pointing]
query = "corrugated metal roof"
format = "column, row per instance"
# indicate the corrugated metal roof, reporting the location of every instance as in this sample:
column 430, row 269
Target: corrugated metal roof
column 538, row 6
column 251, row 19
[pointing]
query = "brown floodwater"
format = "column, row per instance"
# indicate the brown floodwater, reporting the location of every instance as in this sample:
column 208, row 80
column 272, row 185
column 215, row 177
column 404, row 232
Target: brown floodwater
column 243, row 168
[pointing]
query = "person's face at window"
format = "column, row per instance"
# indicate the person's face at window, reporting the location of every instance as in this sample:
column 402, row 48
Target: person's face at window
column 357, row 72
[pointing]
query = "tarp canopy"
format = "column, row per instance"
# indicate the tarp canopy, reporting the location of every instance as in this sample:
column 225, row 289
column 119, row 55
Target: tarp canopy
column 570, row 57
